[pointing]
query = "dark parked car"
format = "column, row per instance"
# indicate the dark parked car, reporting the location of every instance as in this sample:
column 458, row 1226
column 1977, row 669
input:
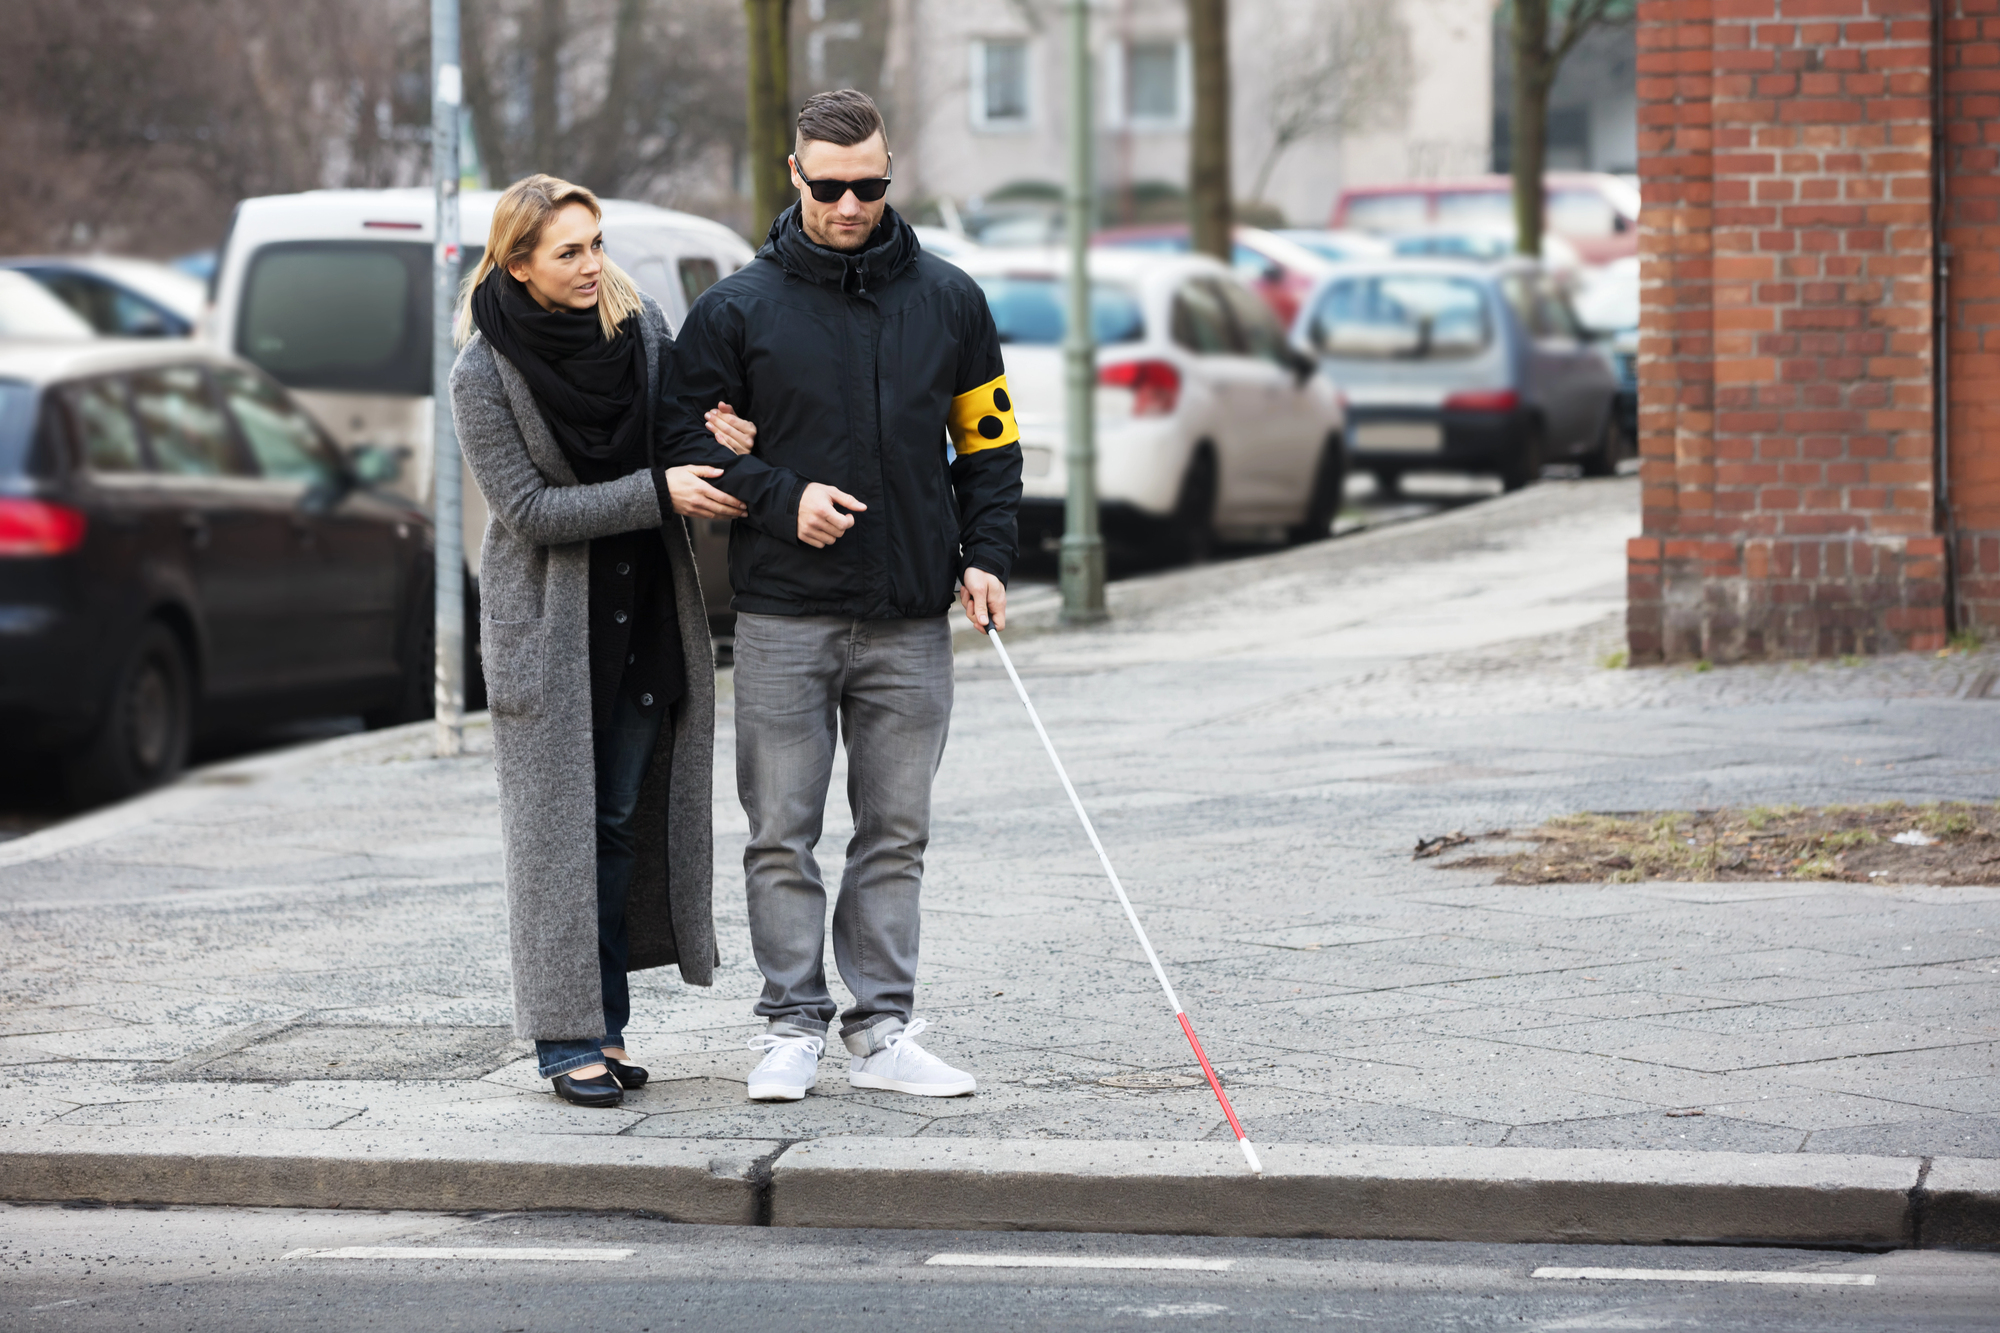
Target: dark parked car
column 1463, row 367
column 182, row 548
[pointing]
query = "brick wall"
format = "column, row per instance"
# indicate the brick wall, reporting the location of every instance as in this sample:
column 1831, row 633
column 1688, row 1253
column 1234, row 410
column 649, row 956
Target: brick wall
column 1786, row 390
column 1972, row 156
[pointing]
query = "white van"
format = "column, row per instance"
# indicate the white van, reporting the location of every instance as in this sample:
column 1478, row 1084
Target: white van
column 330, row 293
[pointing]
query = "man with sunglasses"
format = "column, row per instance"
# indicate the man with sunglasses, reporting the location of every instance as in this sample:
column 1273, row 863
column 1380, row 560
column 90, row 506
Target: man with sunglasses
column 859, row 357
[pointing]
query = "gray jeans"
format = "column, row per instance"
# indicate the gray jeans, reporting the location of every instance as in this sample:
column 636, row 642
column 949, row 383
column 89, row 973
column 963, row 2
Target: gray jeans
column 886, row 687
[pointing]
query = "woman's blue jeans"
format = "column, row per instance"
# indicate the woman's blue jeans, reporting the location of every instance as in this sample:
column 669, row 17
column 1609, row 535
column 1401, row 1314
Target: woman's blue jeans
column 623, row 751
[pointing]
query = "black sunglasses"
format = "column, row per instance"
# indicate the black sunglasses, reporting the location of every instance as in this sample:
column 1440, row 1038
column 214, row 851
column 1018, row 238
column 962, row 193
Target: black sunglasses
column 830, row 192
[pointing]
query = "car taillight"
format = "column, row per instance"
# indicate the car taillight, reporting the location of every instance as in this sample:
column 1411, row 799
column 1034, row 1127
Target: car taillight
column 1483, row 400
column 1155, row 385
column 35, row 527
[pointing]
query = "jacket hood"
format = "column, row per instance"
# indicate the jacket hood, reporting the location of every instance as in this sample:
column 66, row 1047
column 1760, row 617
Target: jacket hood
column 891, row 250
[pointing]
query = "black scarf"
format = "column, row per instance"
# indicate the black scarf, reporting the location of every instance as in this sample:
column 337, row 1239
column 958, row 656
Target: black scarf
column 592, row 390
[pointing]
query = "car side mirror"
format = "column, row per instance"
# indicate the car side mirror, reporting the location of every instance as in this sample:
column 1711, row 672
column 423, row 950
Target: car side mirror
column 376, row 464
column 1303, row 364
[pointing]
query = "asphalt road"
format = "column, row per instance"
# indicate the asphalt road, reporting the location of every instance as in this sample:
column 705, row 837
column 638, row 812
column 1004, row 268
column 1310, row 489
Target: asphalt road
column 84, row 1268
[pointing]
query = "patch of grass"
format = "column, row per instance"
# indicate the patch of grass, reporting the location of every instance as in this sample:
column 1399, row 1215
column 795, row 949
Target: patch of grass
column 1849, row 659
column 1758, row 817
column 1940, row 822
column 1617, row 661
column 1704, row 665
column 1965, row 641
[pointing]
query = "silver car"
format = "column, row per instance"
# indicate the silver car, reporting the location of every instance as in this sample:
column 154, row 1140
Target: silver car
column 1462, row 367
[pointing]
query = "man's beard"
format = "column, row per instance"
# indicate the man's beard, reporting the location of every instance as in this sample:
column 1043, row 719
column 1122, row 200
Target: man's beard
column 833, row 240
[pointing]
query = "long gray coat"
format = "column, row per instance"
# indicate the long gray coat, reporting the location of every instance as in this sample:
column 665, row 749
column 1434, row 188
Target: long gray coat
column 534, row 597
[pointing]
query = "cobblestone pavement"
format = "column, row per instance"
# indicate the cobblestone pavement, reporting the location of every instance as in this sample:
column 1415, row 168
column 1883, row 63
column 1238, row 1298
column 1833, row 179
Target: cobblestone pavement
column 314, row 939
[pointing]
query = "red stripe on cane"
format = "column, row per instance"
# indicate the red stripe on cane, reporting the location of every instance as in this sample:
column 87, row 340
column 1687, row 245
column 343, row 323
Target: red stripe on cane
column 1209, row 1070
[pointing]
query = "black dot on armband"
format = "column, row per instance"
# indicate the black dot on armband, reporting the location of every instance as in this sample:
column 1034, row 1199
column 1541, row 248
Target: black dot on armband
column 991, row 427
column 1001, row 400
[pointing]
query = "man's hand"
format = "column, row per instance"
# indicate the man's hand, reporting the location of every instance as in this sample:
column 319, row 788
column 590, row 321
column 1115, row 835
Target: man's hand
column 820, row 524
column 695, row 498
column 983, row 596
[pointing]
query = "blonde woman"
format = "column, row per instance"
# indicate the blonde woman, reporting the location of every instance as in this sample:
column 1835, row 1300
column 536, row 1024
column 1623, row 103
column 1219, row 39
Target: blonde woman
column 598, row 665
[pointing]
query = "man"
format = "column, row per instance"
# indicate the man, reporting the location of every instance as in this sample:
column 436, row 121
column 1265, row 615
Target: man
column 857, row 355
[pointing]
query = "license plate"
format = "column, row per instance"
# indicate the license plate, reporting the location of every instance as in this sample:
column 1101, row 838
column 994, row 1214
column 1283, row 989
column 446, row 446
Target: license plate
column 1399, row 436
column 1037, row 462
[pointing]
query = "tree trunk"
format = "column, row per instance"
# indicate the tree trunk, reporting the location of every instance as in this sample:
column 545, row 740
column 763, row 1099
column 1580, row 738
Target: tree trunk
column 770, row 119
column 479, row 97
column 610, row 140
column 1208, row 146
column 1534, row 71
column 543, row 88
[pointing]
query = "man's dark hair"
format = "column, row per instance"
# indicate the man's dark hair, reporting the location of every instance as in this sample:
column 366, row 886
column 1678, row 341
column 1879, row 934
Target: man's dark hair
column 845, row 116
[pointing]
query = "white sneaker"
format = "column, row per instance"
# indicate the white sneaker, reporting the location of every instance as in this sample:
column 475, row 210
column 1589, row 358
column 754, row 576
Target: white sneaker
column 789, row 1067
column 903, row 1066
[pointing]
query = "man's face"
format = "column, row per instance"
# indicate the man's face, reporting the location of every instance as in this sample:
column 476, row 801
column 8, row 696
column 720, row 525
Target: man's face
column 847, row 223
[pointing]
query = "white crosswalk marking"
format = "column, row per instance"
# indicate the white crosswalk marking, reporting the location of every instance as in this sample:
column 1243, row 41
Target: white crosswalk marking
column 1711, row 1275
column 447, row 1252
column 1075, row 1261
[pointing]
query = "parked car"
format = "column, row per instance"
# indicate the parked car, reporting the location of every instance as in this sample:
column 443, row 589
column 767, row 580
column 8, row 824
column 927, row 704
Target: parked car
column 1208, row 422
column 183, row 547
column 1462, row 367
column 1335, row 246
column 1278, row 270
column 945, row 243
column 1607, row 301
column 29, row 311
column 330, row 293
column 1593, row 210
column 128, row 298
column 1487, row 245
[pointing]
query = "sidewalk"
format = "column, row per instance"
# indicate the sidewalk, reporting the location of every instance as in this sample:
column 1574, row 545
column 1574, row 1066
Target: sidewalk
column 257, row 960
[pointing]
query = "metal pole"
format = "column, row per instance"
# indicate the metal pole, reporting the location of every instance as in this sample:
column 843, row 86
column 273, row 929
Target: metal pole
column 1082, row 546
column 448, row 507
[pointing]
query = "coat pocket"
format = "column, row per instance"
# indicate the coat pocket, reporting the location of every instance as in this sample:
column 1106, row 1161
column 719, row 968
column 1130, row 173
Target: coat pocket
column 514, row 653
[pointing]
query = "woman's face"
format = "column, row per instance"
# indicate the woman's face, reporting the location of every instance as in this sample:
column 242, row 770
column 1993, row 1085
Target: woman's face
column 562, row 272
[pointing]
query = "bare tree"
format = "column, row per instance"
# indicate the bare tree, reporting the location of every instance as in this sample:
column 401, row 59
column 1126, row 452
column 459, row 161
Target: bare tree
column 1345, row 69
column 769, row 108
column 1544, row 33
column 1210, row 207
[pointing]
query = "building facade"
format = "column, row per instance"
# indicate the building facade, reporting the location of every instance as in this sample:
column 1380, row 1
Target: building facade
column 1820, row 350
column 1325, row 93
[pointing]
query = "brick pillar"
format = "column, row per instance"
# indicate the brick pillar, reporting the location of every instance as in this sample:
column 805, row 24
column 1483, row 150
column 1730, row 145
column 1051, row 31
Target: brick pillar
column 1785, row 406
column 1972, row 229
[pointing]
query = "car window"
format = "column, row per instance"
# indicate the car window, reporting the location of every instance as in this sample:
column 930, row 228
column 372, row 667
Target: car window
column 1412, row 316
column 698, row 274
column 284, row 441
column 17, row 426
column 1387, row 212
column 1475, row 208
column 1541, row 310
column 183, row 425
column 104, row 426
column 1033, row 309
column 1256, row 326
column 1200, row 322
column 111, row 309
column 353, row 315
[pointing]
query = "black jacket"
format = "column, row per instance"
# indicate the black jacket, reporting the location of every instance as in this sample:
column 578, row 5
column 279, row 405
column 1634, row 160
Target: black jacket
column 855, row 368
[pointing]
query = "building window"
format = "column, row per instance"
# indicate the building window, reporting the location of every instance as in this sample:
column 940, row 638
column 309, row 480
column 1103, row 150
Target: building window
column 1000, row 92
column 1148, row 84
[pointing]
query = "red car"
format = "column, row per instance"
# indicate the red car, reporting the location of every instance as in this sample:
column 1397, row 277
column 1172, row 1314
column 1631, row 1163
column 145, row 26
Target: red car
column 1280, row 271
column 1596, row 212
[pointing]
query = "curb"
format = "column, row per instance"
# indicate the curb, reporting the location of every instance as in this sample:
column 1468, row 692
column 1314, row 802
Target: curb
column 1517, row 1195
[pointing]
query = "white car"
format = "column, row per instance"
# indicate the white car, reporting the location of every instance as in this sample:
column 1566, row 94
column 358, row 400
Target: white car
column 1209, row 424
column 28, row 311
column 119, row 297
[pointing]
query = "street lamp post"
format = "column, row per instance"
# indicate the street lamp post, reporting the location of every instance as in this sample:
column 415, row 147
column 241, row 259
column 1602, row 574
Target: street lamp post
column 1082, row 545
column 448, row 502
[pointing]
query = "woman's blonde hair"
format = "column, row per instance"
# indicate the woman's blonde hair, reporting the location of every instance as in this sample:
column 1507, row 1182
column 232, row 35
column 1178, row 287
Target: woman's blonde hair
column 520, row 217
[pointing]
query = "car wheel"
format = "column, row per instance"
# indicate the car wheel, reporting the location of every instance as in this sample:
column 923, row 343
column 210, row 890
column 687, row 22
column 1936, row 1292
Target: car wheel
column 1329, row 489
column 416, row 695
column 1614, row 446
column 1191, row 530
column 148, row 720
column 1525, row 467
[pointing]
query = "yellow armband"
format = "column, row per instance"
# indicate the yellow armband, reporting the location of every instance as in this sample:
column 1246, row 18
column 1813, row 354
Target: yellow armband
column 984, row 418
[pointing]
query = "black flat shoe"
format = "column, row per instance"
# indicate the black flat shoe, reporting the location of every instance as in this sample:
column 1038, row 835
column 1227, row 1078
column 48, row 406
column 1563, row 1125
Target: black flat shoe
column 603, row 1090
column 630, row 1077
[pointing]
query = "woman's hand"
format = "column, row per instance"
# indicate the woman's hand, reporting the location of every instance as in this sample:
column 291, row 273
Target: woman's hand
column 732, row 430
column 695, row 498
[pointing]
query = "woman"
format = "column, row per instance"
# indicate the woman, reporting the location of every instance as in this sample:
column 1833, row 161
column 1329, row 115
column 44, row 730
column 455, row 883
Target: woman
column 598, row 665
